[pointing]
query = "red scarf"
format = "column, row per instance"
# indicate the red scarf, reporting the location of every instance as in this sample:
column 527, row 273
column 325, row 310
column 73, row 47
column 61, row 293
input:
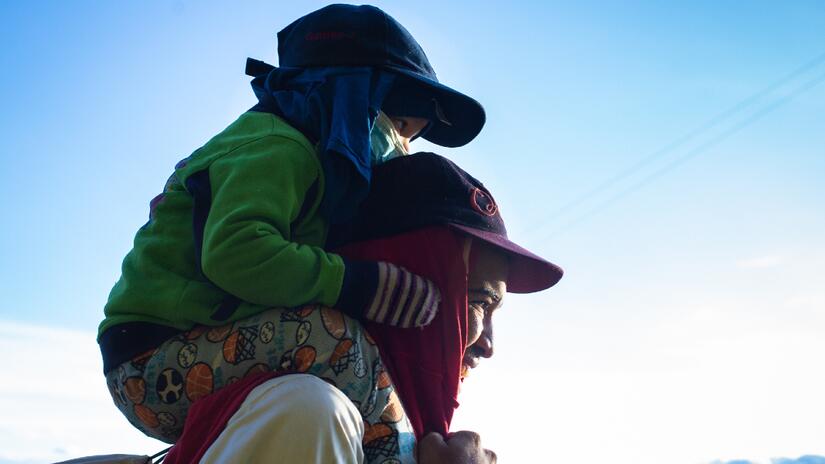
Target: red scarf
column 424, row 364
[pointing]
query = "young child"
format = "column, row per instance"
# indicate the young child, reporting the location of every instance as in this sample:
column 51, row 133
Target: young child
column 241, row 224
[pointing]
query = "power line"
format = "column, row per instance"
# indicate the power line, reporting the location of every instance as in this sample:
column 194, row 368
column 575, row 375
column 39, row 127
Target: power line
column 692, row 153
column 684, row 139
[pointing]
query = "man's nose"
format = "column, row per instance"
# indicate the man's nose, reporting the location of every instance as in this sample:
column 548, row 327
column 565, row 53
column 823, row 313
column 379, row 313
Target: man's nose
column 484, row 345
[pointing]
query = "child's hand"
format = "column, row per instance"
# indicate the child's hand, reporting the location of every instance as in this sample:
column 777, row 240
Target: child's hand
column 402, row 299
column 396, row 296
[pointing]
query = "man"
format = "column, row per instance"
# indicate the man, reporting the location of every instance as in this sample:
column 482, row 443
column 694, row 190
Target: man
column 241, row 225
column 427, row 215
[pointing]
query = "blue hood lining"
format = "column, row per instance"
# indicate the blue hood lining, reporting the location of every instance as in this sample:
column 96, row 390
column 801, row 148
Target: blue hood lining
column 335, row 108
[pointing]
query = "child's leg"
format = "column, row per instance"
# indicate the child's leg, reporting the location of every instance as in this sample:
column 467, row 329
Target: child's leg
column 155, row 391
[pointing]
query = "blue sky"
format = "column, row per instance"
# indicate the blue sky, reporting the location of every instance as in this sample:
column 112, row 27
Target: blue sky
column 692, row 311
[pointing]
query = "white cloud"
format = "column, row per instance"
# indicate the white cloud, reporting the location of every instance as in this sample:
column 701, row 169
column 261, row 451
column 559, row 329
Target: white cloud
column 761, row 262
column 54, row 399
column 809, row 459
column 685, row 391
column 718, row 380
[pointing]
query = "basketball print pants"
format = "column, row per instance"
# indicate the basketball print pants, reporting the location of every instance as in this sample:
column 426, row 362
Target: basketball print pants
column 155, row 390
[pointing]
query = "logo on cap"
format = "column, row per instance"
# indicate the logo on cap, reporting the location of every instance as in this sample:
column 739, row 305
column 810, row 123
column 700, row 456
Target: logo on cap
column 483, row 202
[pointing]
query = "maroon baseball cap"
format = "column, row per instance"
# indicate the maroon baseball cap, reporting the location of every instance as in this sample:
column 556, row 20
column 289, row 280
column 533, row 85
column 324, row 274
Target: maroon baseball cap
column 425, row 189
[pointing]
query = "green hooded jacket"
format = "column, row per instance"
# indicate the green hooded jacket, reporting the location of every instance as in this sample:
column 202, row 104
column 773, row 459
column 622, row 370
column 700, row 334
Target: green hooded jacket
column 235, row 231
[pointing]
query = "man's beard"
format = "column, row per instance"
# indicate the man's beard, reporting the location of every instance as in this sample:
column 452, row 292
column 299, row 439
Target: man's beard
column 465, row 371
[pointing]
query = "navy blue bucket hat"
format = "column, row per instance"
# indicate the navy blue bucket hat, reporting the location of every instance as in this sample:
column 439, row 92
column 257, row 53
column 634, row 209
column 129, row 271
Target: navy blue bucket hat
column 350, row 35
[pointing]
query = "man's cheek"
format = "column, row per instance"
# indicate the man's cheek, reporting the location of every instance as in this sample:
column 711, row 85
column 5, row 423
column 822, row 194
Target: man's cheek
column 474, row 326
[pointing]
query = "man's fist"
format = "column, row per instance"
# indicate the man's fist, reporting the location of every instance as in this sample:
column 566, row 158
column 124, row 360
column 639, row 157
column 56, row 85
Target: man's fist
column 460, row 448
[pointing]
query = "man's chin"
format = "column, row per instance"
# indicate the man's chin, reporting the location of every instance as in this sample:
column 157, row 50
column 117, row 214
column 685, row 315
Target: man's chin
column 465, row 371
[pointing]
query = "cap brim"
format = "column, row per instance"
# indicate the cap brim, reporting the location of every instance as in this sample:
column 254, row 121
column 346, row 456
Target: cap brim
column 465, row 117
column 528, row 272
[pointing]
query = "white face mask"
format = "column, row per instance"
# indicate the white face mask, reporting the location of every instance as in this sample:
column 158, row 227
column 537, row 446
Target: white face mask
column 385, row 142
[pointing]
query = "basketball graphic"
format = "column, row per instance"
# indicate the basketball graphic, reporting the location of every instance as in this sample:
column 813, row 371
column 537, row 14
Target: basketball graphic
column 239, row 346
column 293, row 315
column 217, row 334
column 257, row 369
column 199, row 381
column 376, row 431
column 139, row 361
column 147, row 416
column 117, row 394
column 166, row 419
column 383, row 380
column 306, row 310
column 230, row 347
column 393, row 412
column 304, row 358
column 195, row 332
column 286, row 362
column 333, row 322
column 380, row 440
column 302, row 332
column 342, row 355
column 169, row 386
column 290, row 315
column 135, row 389
column 187, row 355
column 267, row 332
column 360, row 368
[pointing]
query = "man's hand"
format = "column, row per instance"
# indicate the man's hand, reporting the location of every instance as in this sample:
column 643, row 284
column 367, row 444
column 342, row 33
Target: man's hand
column 460, row 448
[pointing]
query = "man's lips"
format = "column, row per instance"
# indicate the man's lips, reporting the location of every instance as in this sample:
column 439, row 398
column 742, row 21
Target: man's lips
column 467, row 364
column 471, row 362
